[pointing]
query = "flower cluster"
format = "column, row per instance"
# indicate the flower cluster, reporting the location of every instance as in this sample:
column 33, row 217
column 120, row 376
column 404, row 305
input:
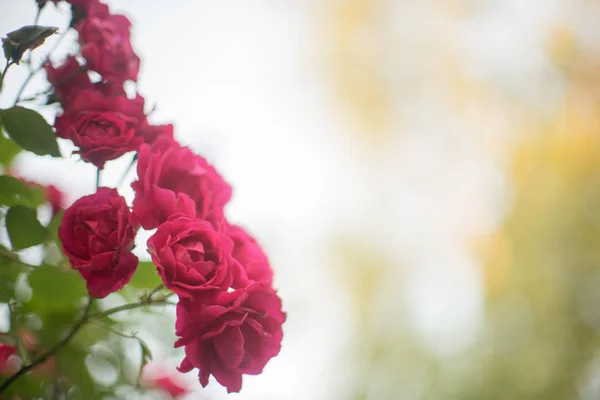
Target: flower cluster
column 229, row 317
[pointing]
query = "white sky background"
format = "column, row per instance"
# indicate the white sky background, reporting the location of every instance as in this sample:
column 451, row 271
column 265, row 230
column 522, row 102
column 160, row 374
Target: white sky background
column 243, row 84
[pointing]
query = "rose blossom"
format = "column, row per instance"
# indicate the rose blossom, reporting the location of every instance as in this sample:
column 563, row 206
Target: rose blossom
column 151, row 133
column 103, row 127
column 106, row 47
column 173, row 179
column 104, row 136
column 84, row 9
column 97, row 234
column 70, row 78
column 250, row 255
column 230, row 334
column 98, row 99
column 191, row 257
column 67, row 78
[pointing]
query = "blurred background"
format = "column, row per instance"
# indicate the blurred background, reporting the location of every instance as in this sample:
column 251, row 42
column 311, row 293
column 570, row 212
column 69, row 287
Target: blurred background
column 425, row 177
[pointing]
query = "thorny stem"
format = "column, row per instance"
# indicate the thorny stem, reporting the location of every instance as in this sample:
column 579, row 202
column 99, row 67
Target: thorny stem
column 97, row 178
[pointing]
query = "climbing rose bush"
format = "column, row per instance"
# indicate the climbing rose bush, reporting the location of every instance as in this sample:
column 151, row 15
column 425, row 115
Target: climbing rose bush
column 229, row 316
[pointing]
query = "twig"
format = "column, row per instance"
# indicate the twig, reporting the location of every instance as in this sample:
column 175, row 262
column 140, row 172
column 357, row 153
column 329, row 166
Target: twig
column 6, row 67
column 131, row 306
column 49, row 353
column 37, row 16
column 33, row 72
column 156, row 289
column 131, row 163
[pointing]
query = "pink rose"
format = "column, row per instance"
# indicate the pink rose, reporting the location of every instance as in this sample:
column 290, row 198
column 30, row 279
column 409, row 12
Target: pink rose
column 191, row 257
column 104, row 127
column 230, row 334
column 173, row 179
column 68, row 78
column 99, row 99
column 106, row 47
column 250, row 255
column 84, row 9
column 97, row 234
column 104, row 136
column 158, row 378
column 151, row 133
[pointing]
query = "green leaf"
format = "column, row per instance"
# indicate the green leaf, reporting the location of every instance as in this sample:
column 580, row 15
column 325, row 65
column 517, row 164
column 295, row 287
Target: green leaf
column 146, row 358
column 25, row 38
column 14, row 192
column 24, row 229
column 10, row 268
column 145, row 276
column 30, row 130
column 8, row 150
column 55, row 290
column 54, row 225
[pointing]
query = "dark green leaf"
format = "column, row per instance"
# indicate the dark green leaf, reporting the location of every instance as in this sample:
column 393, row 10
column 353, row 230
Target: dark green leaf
column 145, row 277
column 8, row 150
column 31, row 35
column 30, row 130
column 25, row 38
column 14, row 192
column 24, row 229
column 8, row 49
column 55, row 290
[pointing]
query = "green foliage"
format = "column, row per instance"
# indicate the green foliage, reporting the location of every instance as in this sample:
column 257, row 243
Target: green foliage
column 24, row 229
column 25, row 38
column 54, row 225
column 30, row 131
column 14, row 192
column 10, row 268
column 56, row 290
column 47, row 301
column 145, row 276
column 146, row 357
column 8, row 150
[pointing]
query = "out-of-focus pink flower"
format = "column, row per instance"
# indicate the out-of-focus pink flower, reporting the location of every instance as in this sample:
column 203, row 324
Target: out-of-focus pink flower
column 159, row 377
